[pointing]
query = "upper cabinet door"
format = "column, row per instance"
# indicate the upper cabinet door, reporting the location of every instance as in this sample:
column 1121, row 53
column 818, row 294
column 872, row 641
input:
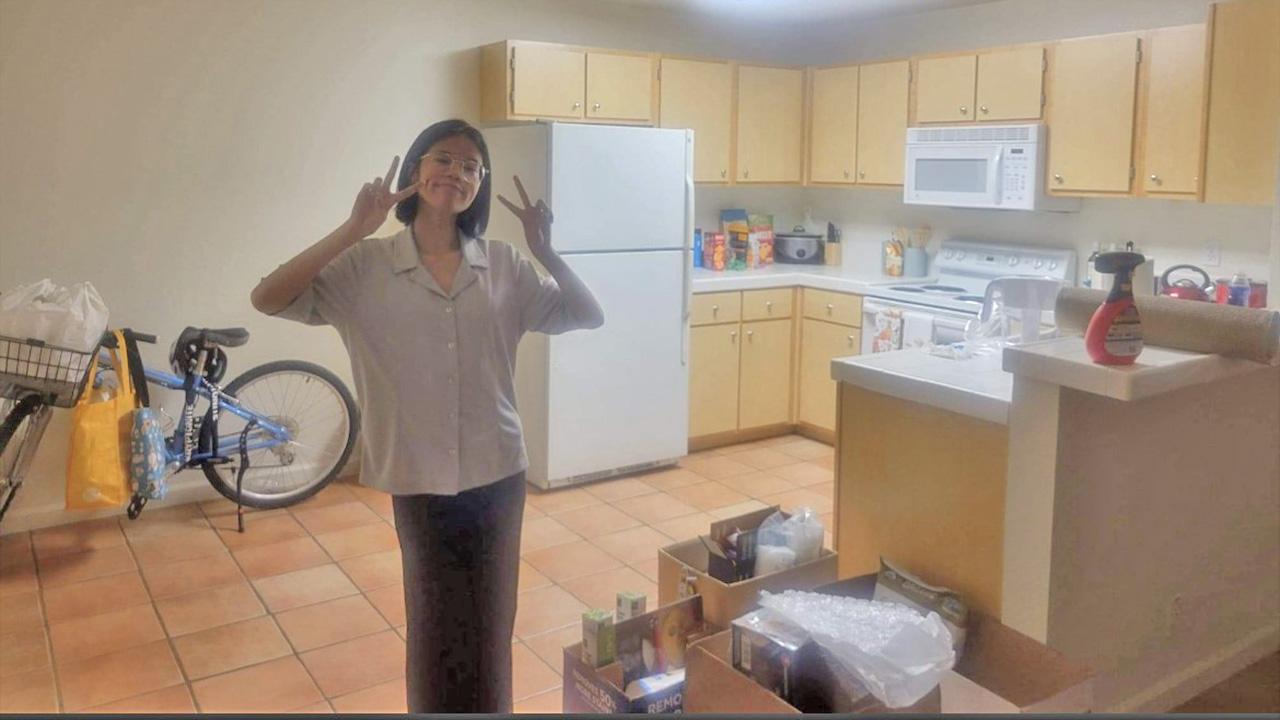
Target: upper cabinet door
column 944, row 89
column 1011, row 84
column 547, row 82
column 1175, row 110
column 882, row 122
column 1244, row 102
column 770, row 127
column 698, row 96
column 1093, row 85
column 833, row 146
column 619, row 87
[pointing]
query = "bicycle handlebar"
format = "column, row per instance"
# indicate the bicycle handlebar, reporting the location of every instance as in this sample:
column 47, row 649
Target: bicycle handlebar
column 109, row 337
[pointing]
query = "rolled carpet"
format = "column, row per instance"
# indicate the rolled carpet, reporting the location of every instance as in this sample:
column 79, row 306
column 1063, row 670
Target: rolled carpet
column 1248, row 333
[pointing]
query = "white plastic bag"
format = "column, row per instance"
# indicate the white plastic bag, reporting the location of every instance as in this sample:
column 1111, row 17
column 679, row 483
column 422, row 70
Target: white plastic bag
column 802, row 534
column 897, row 653
column 70, row 317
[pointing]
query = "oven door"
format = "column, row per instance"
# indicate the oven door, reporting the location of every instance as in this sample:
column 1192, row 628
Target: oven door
column 963, row 176
column 920, row 326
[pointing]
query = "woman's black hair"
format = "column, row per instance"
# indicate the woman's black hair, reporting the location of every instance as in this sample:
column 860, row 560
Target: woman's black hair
column 472, row 221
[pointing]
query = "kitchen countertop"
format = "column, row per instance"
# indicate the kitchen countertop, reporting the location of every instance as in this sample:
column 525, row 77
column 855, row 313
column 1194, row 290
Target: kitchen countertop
column 819, row 277
column 976, row 386
column 1064, row 361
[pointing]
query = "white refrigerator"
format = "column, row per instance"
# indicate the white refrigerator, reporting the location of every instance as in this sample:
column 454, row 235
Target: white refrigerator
column 603, row 402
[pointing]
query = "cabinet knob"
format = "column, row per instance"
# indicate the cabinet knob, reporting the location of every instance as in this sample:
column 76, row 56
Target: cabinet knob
column 733, row 334
column 595, row 106
column 846, row 174
column 862, row 173
column 1155, row 179
column 984, row 109
column 724, row 173
column 830, row 307
column 715, row 309
column 746, row 173
column 768, row 306
column 750, row 334
column 577, row 105
column 964, row 109
column 1057, row 177
column 850, row 338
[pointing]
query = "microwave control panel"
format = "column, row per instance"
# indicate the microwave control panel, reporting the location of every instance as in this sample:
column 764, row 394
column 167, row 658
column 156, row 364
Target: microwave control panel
column 1017, row 183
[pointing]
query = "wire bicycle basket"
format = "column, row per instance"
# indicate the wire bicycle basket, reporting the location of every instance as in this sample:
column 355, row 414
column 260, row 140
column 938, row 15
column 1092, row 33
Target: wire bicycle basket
column 58, row 374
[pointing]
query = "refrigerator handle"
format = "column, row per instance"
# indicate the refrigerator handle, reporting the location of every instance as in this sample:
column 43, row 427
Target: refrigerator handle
column 688, row 239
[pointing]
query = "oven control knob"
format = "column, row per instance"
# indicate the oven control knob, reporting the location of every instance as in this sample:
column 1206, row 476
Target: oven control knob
column 960, row 255
column 1053, row 264
column 950, row 253
column 1013, row 261
column 1039, row 263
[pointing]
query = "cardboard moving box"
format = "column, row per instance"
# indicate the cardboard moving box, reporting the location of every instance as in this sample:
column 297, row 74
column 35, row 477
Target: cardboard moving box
column 723, row 602
column 1002, row 671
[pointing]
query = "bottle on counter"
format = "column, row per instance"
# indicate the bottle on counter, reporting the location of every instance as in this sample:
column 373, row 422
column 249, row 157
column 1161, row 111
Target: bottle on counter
column 1114, row 335
column 1238, row 290
column 697, row 247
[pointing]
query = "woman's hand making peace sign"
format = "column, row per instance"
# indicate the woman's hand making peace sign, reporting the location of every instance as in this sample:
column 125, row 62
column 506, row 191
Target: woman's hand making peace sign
column 536, row 219
column 375, row 200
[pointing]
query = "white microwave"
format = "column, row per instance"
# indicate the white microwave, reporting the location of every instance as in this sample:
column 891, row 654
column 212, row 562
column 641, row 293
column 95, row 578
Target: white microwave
column 997, row 167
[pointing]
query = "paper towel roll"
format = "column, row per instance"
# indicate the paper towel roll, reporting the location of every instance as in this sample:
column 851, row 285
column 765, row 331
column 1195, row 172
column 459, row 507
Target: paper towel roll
column 1204, row 327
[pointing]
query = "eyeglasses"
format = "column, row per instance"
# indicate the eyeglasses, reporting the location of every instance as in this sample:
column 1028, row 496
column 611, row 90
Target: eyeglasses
column 471, row 170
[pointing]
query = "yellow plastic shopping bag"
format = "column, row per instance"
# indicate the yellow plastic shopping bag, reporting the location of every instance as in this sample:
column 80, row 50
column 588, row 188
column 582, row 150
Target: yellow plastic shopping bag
column 98, row 463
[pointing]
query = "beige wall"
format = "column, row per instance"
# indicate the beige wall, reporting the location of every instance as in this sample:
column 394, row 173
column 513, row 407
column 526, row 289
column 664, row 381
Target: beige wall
column 235, row 131
column 1164, row 574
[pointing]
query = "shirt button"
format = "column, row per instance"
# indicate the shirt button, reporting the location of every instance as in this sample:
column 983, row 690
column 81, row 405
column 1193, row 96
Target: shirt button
column 448, row 308
column 451, row 344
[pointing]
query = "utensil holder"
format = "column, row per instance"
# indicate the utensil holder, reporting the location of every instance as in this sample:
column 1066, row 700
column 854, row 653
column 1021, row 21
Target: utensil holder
column 915, row 262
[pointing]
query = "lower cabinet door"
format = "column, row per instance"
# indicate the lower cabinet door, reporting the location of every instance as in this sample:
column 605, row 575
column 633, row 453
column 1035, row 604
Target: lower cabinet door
column 764, row 387
column 713, row 379
column 820, row 343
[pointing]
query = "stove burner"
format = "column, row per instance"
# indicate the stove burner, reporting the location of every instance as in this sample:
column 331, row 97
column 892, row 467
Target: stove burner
column 970, row 299
column 943, row 288
column 907, row 288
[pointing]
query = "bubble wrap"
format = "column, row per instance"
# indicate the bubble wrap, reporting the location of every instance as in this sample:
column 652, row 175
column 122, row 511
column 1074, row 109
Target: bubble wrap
column 897, row 653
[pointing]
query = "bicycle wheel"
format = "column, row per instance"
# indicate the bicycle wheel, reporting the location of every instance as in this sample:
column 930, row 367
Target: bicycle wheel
column 316, row 407
column 21, row 421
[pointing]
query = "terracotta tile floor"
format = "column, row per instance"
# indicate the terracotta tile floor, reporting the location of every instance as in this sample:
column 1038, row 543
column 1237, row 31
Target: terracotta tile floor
column 177, row 612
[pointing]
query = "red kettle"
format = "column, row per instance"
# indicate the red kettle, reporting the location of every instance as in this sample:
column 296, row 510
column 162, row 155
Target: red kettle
column 1186, row 288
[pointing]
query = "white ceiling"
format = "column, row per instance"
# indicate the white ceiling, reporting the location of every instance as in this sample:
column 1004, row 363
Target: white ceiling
column 801, row 11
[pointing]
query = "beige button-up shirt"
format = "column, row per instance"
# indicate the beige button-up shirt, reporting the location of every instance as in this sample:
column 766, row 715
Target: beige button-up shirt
column 434, row 370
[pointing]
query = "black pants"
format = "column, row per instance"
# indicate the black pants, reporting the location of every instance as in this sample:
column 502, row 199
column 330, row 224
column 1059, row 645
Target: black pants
column 461, row 570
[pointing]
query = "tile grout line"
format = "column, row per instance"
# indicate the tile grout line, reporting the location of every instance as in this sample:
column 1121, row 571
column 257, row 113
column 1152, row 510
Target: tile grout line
column 44, row 620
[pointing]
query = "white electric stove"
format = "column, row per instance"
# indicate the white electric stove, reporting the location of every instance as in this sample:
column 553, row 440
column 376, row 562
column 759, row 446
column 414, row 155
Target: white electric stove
column 936, row 309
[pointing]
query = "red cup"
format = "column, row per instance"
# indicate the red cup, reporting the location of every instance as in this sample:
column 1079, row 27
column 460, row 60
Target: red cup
column 1257, row 294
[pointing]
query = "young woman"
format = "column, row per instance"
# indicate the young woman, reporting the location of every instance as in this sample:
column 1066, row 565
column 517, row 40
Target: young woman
column 431, row 317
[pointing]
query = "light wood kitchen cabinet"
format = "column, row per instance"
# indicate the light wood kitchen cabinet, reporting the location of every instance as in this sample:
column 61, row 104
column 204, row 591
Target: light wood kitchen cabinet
column 945, row 88
column 835, row 307
column 619, row 87
column 1174, row 110
column 883, row 90
column 547, row 81
column 713, row 379
column 833, row 125
column 764, row 384
column 698, row 95
column 773, row 304
column 1244, row 103
column 770, row 124
column 1093, row 88
column 820, row 343
column 712, row 308
column 1010, row 84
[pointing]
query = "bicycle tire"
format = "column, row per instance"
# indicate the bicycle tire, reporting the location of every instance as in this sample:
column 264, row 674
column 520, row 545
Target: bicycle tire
column 21, row 410
column 268, row 501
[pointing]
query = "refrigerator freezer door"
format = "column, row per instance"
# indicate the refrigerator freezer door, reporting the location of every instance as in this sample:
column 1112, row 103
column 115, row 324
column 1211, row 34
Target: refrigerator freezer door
column 618, row 188
column 618, row 395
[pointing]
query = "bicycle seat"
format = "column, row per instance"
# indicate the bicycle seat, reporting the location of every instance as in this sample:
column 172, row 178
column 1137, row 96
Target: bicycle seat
column 226, row 337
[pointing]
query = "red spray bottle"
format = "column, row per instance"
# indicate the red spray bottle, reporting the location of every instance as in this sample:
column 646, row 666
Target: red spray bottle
column 1114, row 336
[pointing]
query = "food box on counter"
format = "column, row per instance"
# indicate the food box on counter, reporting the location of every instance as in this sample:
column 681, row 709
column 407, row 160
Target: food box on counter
column 1002, row 671
column 649, row 674
column 723, row 602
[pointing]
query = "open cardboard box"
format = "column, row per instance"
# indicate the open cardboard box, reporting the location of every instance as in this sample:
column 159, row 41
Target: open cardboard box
column 724, row 602
column 1002, row 671
column 602, row 690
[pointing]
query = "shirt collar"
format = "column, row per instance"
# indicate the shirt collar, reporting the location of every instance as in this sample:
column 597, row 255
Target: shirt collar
column 406, row 251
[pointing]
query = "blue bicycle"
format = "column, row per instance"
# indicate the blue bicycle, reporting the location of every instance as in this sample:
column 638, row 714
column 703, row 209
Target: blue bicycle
column 270, row 438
